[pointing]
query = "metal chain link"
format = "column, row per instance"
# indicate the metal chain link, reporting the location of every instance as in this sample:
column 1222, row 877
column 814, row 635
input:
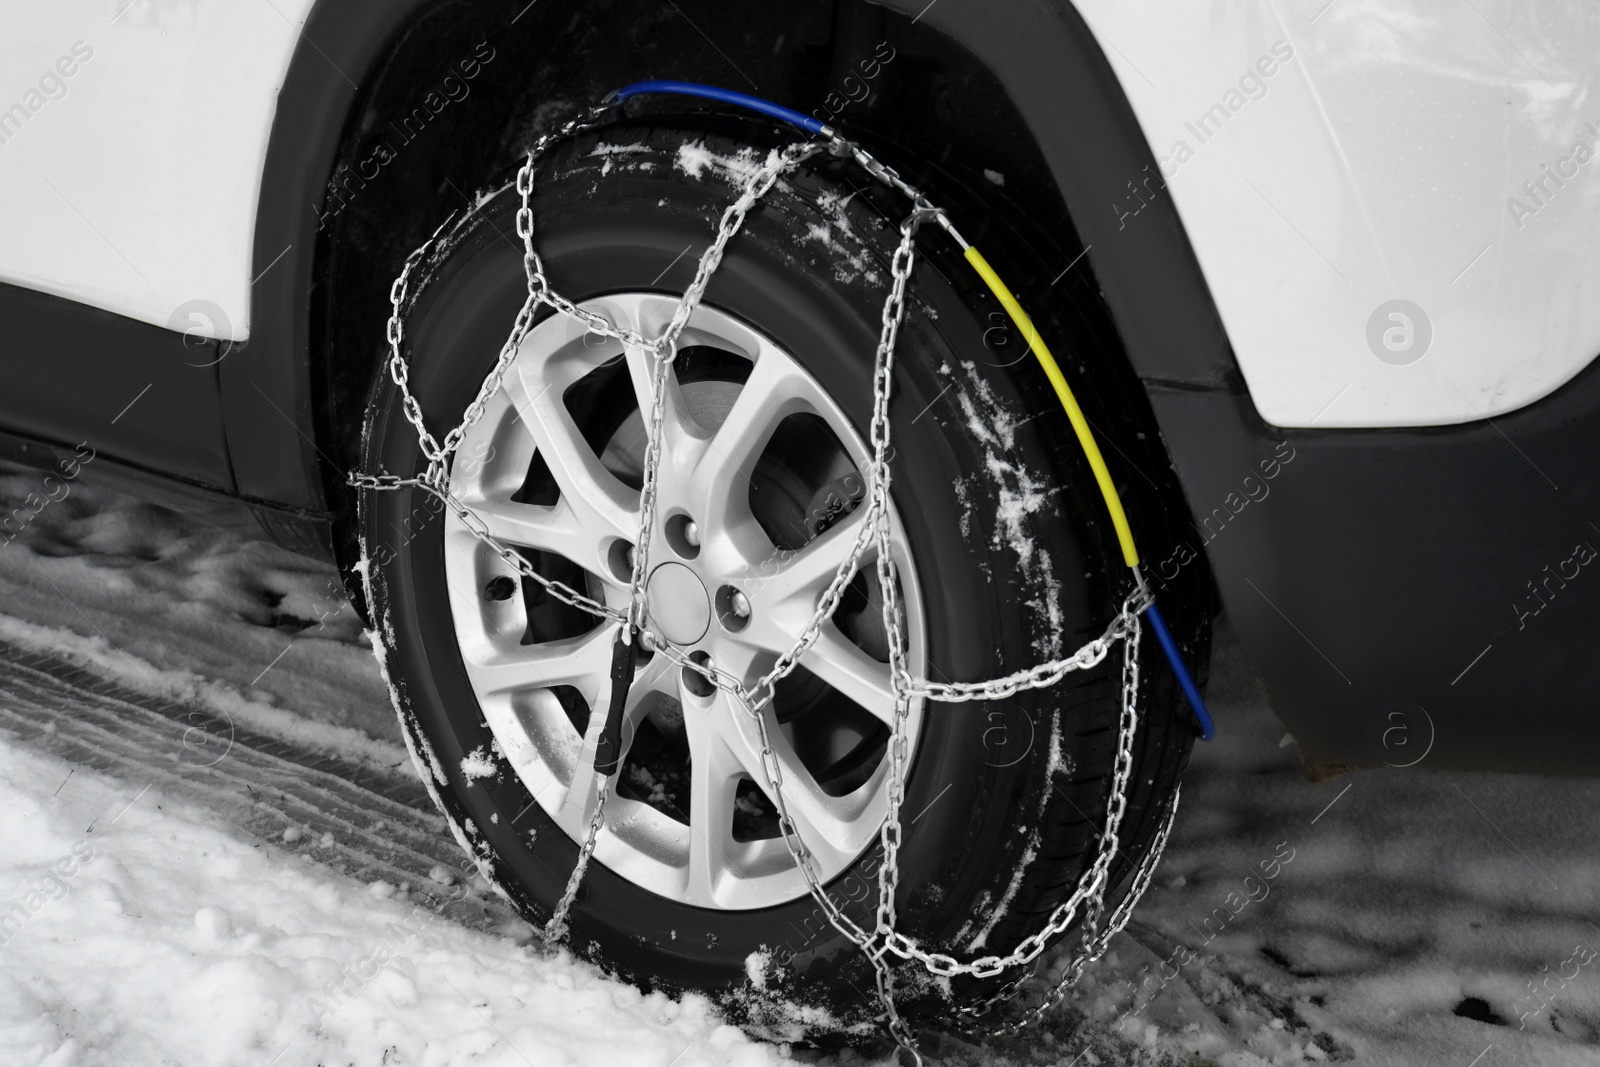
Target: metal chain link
column 1091, row 890
column 1096, row 948
column 475, row 525
column 664, row 349
column 884, row 940
column 556, row 929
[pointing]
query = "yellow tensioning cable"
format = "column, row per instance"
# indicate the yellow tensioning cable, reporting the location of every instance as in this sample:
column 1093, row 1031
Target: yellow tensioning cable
column 1080, row 425
column 1069, row 403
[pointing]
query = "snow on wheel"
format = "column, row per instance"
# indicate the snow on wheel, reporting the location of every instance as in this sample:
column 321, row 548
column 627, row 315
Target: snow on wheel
column 999, row 543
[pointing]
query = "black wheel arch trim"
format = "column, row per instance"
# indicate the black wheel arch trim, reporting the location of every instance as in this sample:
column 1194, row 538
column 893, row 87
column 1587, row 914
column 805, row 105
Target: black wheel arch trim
column 266, row 386
column 1043, row 54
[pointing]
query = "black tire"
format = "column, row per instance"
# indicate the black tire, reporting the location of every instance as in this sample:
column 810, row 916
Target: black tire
column 1017, row 560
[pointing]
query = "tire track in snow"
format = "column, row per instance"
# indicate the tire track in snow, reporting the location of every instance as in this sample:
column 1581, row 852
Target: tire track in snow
column 369, row 824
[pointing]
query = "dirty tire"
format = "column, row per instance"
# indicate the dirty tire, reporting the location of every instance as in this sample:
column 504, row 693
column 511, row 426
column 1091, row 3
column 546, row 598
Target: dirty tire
column 1016, row 560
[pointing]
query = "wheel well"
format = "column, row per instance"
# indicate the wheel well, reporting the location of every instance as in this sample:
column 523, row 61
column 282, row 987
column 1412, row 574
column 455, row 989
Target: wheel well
column 930, row 107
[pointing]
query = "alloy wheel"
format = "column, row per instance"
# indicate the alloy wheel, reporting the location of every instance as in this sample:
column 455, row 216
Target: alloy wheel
column 761, row 480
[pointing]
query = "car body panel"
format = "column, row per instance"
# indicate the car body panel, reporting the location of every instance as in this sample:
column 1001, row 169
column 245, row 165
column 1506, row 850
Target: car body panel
column 131, row 183
column 1274, row 132
column 1328, row 158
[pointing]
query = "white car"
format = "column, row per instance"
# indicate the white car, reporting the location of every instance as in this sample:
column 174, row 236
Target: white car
column 1324, row 277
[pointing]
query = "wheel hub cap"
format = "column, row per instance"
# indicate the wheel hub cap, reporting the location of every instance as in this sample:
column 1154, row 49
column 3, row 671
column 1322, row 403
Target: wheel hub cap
column 679, row 604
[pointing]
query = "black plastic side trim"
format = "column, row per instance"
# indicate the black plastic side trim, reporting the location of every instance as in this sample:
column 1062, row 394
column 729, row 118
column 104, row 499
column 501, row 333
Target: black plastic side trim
column 1407, row 588
column 140, row 393
column 299, row 531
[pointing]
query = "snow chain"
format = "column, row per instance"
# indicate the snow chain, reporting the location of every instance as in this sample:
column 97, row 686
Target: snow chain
column 883, row 939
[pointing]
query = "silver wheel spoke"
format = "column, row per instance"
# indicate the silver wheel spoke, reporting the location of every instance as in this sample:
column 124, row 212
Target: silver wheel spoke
column 660, row 675
column 763, row 401
column 827, row 825
column 722, row 470
column 837, row 661
column 789, row 585
column 595, row 495
column 714, row 776
column 641, row 371
column 551, row 529
column 583, row 791
column 575, row 661
column 496, row 464
column 834, row 839
column 784, row 601
column 834, row 659
column 654, row 677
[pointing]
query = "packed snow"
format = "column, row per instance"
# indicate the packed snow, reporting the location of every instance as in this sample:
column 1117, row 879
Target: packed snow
column 1384, row 917
column 138, row 931
column 258, row 628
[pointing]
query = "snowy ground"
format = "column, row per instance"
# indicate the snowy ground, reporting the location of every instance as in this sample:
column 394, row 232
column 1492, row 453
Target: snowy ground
column 156, row 909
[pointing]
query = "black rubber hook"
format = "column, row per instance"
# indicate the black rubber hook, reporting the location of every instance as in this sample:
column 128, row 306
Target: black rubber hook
column 608, row 751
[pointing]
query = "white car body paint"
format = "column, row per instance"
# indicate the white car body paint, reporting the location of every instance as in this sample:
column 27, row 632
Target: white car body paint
column 135, row 189
column 1382, row 161
column 1385, row 158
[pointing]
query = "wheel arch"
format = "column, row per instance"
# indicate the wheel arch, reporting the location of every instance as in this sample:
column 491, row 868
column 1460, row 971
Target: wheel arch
column 354, row 72
column 1019, row 84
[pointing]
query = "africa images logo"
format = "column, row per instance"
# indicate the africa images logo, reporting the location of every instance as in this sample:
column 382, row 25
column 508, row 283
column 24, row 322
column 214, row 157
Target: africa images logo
column 1399, row 332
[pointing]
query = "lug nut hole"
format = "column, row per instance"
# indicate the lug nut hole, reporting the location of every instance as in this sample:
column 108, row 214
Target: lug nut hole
column 500, row 587
column 620, row 560
column 683, row 534
column 733, row 608
column 694, row 681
